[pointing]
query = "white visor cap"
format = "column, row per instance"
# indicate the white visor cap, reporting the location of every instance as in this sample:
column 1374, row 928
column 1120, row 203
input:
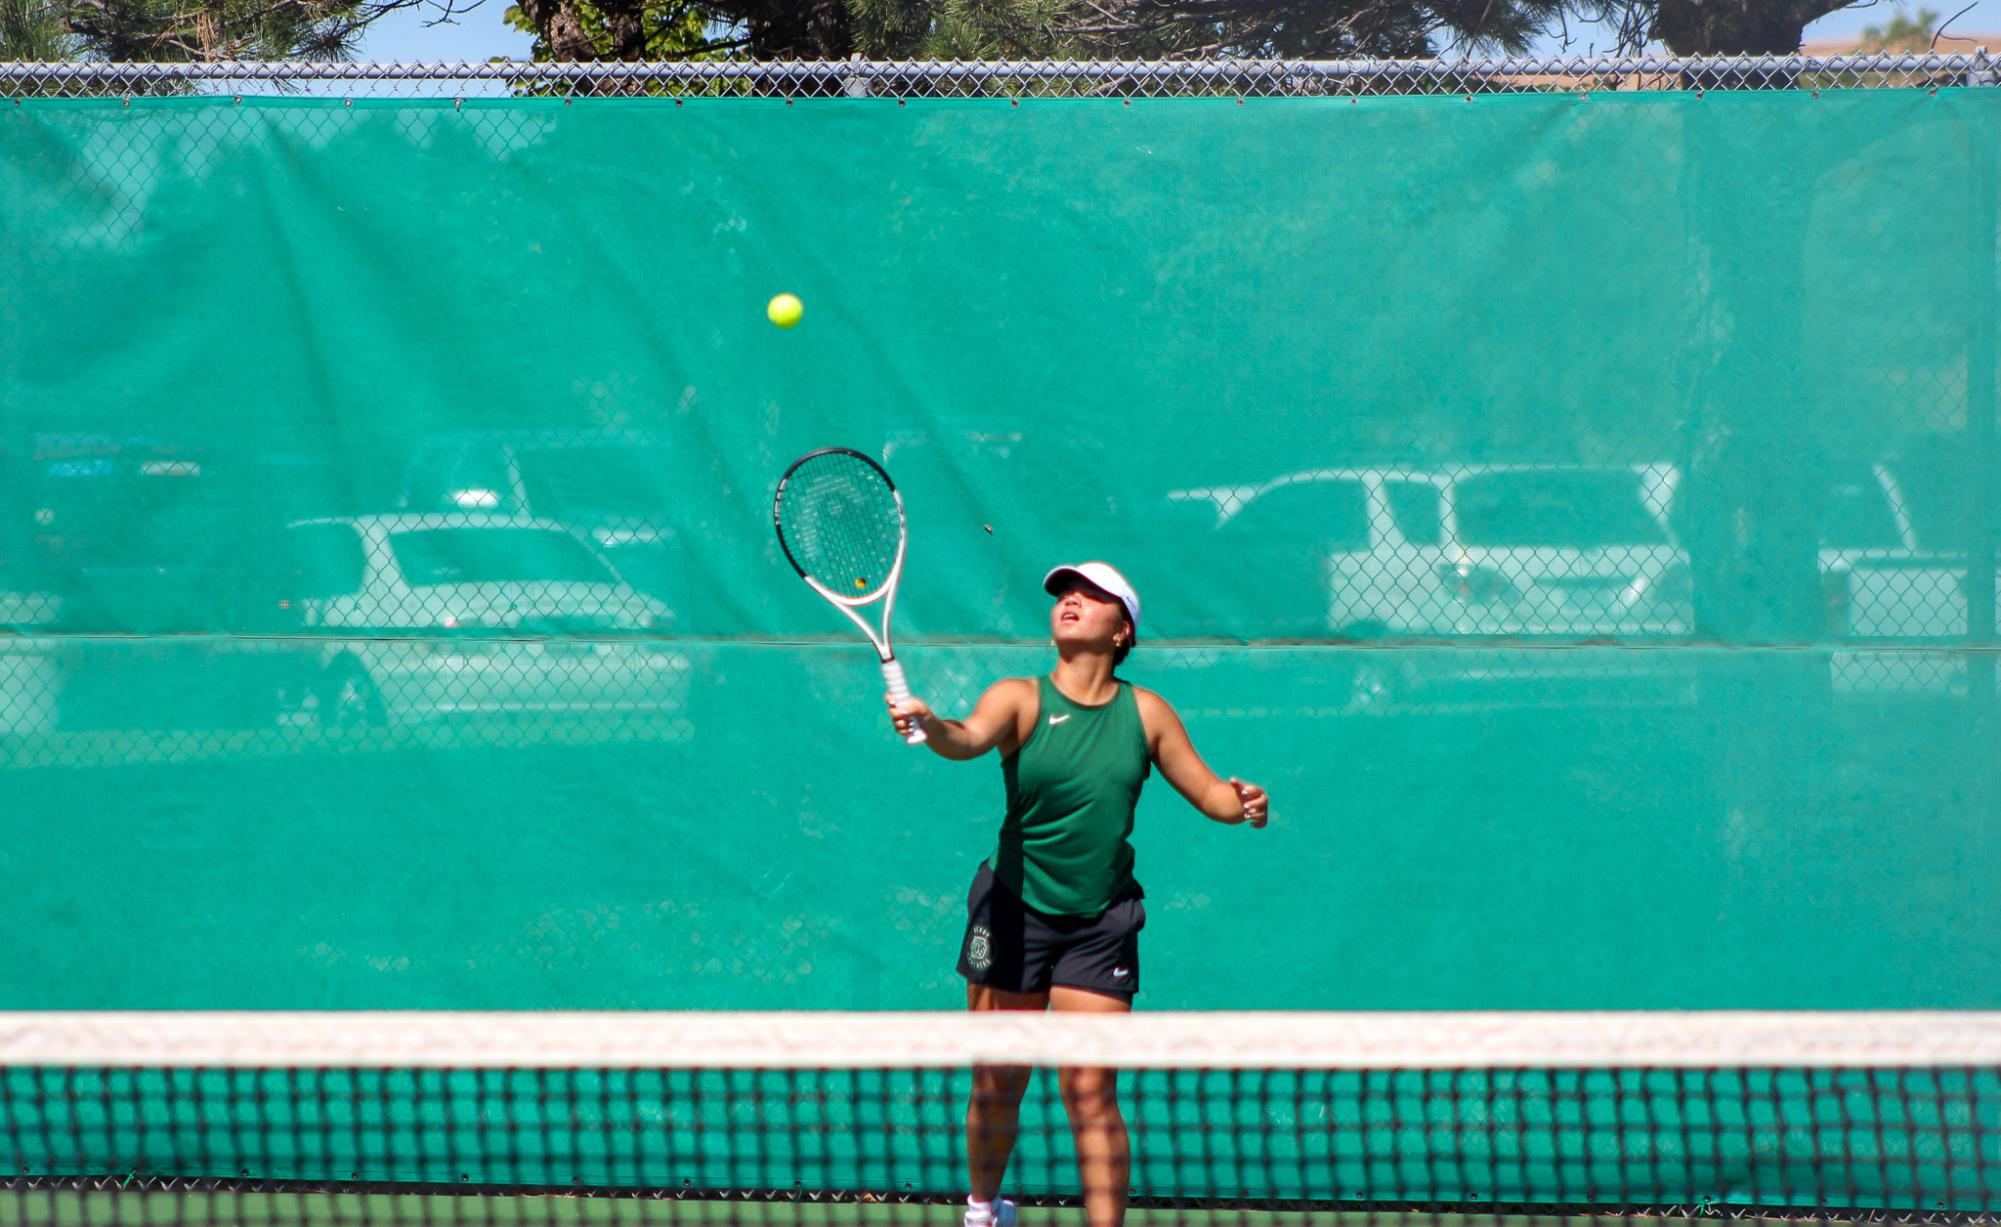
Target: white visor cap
column 1101, row 575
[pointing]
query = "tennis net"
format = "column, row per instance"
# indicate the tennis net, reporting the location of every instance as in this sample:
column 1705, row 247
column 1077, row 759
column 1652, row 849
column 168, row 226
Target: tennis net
column 394, row 1118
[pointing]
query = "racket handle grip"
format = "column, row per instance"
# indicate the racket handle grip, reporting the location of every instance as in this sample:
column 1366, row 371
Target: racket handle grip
column 899, row 690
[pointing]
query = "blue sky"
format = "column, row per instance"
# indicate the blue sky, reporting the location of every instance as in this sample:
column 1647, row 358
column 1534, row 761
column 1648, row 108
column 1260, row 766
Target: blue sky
column 1983, row 17
column 482, row 34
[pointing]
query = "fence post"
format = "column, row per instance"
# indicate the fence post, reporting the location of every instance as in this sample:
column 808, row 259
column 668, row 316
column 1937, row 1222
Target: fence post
column 1981, row 408
column 856, row 83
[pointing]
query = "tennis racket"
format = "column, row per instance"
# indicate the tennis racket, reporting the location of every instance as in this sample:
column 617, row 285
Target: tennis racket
column 840, row 523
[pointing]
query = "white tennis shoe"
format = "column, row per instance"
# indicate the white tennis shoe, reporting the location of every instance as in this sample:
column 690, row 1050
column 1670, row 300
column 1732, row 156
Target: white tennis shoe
column 1001, row 1213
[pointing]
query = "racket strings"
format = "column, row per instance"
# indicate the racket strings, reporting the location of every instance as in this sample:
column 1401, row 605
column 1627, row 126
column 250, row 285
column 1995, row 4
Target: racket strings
column 840, row 521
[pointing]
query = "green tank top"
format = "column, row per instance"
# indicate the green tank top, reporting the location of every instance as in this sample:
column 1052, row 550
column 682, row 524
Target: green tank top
column 1071, row 790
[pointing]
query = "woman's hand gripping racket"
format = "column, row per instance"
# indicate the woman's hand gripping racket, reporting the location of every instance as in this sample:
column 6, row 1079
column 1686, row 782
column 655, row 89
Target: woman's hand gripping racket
column 840, row 523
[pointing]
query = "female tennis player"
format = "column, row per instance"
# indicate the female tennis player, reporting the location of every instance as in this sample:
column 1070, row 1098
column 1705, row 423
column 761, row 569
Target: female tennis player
column 1055, row 913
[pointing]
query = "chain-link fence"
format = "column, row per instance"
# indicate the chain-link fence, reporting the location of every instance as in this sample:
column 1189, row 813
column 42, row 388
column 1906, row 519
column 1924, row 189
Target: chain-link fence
column 1493, row 443
column 1008, row 78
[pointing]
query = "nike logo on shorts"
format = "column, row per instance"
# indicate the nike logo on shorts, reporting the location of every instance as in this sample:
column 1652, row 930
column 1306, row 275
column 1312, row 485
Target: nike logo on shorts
column 1121, row 972
column 1056, row 720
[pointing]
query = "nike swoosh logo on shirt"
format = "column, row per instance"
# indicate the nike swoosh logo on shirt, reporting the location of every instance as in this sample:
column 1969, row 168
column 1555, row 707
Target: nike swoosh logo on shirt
column 1056, row 720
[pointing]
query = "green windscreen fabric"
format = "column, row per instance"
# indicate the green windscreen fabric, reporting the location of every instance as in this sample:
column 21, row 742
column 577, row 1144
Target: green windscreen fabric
column 1577, row 510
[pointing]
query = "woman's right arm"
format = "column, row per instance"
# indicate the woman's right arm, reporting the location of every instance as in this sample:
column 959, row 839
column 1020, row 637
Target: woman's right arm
column 993, row 718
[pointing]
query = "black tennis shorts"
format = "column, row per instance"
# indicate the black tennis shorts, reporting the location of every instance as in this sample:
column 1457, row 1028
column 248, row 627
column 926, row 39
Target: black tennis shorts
column 1011, row 946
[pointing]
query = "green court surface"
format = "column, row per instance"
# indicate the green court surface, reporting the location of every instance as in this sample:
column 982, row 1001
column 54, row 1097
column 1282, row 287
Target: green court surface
column 64, row 1208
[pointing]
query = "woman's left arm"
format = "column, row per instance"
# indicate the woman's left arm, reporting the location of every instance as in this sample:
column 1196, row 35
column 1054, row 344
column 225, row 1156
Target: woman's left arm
column 1230, row 800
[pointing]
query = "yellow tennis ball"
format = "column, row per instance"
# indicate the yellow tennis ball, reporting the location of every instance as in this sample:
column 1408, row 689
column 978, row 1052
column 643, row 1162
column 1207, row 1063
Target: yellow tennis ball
column 784, row 310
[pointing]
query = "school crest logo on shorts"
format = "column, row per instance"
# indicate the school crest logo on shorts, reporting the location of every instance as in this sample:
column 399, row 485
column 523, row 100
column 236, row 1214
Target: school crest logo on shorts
column 980, row 949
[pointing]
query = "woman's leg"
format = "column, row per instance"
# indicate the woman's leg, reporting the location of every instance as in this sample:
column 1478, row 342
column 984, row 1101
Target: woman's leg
column 993, row 1113
column 1091, row 1097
